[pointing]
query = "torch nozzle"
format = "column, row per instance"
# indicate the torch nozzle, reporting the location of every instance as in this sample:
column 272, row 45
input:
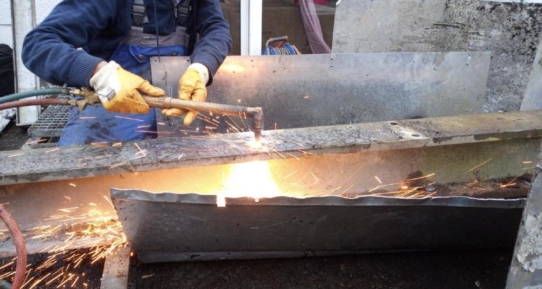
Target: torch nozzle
column 257, row 122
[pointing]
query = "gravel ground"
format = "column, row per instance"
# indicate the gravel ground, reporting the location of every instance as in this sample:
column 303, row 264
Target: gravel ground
column 13, row 137
column 450, row 269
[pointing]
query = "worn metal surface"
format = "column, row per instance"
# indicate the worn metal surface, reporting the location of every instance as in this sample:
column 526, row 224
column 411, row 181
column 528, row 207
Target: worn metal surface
column 510, row 31
column 116, row 268
column 526, row 268
column 160, row 154
column 319, row 161
column 315, row 90
column 187, row 226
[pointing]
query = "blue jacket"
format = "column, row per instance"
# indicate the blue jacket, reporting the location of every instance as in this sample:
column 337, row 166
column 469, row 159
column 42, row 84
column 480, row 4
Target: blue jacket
column 98, row 26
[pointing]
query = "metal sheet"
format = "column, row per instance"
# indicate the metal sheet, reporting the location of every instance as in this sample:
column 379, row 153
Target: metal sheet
column 315, row 90
column 187, row 226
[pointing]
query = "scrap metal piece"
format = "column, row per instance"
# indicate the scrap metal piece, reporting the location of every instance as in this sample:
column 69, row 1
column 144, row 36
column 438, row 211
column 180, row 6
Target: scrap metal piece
column 189, row 227
column 330, row 89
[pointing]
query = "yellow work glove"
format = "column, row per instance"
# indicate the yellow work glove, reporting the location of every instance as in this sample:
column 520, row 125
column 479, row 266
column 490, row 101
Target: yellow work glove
column 192, row 86
column 118, row 89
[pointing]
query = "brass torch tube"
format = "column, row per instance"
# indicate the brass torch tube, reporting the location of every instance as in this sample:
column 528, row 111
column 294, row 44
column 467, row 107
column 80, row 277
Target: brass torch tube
column 215, row 108
column 255, row 113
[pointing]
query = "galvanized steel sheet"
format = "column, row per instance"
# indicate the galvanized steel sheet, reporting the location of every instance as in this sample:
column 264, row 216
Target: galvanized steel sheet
column 180, row 227
column 316, row 90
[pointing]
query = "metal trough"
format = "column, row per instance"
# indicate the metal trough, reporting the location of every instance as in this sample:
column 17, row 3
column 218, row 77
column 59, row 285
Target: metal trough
column 189, row 227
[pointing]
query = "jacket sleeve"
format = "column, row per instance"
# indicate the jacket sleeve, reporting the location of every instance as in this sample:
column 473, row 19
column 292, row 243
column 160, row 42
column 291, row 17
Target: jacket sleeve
column 51, row 51
column 214, row 34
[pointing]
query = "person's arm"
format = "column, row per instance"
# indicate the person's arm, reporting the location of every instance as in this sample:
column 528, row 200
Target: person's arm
column 50, row 49
column 214, row 37
column 208, row 54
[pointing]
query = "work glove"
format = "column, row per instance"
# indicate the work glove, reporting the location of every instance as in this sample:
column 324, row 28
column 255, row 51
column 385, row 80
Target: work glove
column 192, row 86
column 118, row 89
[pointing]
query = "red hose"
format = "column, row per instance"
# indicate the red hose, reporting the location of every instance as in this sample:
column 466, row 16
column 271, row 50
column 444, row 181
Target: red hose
column 29, row 102
column 20, row 247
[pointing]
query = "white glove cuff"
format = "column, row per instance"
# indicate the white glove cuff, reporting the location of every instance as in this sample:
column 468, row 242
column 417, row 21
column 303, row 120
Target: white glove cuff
column 106, row 81
column 203, row 71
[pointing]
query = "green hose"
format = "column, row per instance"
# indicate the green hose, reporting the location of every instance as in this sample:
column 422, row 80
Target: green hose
column 21, row 95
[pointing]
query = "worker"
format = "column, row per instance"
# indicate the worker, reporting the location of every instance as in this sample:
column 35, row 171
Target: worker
column 107, row 45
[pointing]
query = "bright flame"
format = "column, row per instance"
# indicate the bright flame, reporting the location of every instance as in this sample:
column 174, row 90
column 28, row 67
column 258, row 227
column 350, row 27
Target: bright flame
column 249, row 180
column 255, row 144
column 232, row 67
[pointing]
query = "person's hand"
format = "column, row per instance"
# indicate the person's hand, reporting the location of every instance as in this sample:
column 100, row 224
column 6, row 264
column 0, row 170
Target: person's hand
column 192, row 86
column 118, row 89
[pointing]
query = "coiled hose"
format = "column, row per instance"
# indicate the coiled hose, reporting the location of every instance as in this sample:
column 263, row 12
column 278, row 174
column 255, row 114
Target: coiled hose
column 20, row 248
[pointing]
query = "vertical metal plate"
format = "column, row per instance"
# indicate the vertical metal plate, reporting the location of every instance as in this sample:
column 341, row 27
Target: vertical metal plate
column 317, row 90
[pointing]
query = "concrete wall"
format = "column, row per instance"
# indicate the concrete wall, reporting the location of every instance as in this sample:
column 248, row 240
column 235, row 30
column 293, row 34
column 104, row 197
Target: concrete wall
column 510, row 31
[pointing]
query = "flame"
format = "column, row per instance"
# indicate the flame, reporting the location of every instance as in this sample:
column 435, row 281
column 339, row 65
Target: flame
column 253, row 179
column 232, row 68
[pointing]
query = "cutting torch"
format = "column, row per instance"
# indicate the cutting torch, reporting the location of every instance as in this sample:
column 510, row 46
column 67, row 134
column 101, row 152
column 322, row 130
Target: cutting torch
column 90, row 97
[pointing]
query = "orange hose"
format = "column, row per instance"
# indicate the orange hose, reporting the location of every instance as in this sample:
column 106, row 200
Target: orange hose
column 20, row 247
column 28, row 102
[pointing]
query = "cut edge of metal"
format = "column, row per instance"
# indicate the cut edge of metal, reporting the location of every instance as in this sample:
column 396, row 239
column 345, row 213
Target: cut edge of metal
column 191, row 198
column 166, row 257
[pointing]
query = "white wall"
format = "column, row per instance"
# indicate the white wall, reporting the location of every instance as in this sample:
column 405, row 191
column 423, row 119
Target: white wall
column 43, row 7
column 6, row 34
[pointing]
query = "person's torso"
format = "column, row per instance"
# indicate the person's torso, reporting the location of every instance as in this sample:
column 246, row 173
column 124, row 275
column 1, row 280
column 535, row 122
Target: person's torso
column 161, row 16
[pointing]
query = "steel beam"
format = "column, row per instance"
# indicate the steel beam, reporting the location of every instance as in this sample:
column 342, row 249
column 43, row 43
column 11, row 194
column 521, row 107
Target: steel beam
column 66, row 163
column 319, row 161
